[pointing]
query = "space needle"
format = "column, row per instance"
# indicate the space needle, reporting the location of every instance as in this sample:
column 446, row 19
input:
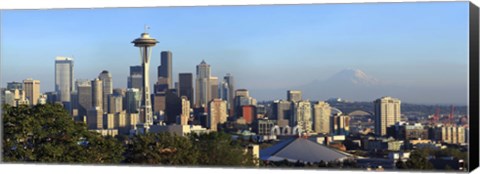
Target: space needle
column 145, row 43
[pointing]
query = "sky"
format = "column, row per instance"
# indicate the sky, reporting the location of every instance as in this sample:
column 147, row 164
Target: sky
column 422, row 45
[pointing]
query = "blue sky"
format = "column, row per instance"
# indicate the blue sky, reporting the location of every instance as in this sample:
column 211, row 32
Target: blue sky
column 412, row 44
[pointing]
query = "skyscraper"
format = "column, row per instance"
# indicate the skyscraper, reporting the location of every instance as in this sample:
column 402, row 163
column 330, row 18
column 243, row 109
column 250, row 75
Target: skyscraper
column 321, row 112
column 185, row 111
column 294, row 96
column 135, row 78
column 165, row 69
column 387, row 113
column 186, row 86
column 14, row 85
column 242, row 98
column 133, row 97
column 107, row 87
column 217, row 113
column 249, row 113
column 302, row 116
column 115, row 103
column 84, row 97
column 214, row 88
column 95, row 118
column 202, row 86
column 173, row 107
column 64, row 78
column 32, row 90
column 228, row 88
column 341, row 124
column 97, row 93
column 137, row 69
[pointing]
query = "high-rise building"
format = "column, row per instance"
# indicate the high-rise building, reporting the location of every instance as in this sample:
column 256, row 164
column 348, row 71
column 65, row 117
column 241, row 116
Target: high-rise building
column 249, row 113
column 84, row 97
column 107, row 87
column 52, row 97
column 32, row 90
column 133, row 97
column 294, row 95
column 19, row 98
column 121, row 122
column 263, row 126
column 9, row 98
column 136, row 77
column 341, row 124
column 321, row 117
column 109, row 121
column 115, row 103
column 97, row 93
column 159, row 102
column 95, row 118
column 242, row 98
column 137, row 69
column 14, row 85
column 173, row 107
column 242, row 93
column 119, row 92
column 202, row 86
column 185, row 86
column 64, row 78
column 165, row 69
column 387, row 113
column 407, row 131
column 282, row 112
column 160, row 86
column 453, row 134
column 228, row 89
column 135, row 81
column 214, row 88
column 185, row 111
column 217, row 113
column 302, row 116
column 132, row 120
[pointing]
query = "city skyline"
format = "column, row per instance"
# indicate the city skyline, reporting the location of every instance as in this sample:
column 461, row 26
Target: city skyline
column 263, row 66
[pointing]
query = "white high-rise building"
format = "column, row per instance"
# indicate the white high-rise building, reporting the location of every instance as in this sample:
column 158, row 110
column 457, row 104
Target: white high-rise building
column 321, row 112
column 387, row 113
column 64, row 78
column 302, row 117
column 217, row 113
column 185, row 111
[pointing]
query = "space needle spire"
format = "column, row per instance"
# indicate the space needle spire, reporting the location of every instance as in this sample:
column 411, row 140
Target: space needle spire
column 145, row 43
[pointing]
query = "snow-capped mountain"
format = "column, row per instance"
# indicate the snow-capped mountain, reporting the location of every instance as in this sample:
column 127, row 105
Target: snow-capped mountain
column 353, row 77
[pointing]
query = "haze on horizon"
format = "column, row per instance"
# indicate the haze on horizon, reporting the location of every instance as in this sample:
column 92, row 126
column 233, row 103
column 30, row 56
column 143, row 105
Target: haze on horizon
column 421, row 47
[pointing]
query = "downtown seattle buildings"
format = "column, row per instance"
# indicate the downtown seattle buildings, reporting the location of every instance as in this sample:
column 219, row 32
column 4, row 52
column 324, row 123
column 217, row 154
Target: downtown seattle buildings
column 204, row 103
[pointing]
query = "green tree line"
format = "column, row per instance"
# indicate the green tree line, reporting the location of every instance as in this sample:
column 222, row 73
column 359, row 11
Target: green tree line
column 47, row 134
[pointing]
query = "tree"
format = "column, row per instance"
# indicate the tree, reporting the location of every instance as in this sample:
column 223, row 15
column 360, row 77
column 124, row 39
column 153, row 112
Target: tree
column 401, row 165
column 163, row 148
column 218, row 148
column 322, row 164
column 418, row 160
column 46, row 133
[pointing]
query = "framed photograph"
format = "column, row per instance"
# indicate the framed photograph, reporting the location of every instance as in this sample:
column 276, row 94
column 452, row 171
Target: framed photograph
column 350, row 87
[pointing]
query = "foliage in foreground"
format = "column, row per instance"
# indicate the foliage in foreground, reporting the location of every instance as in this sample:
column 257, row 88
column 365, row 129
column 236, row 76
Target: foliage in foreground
column 46, row 133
